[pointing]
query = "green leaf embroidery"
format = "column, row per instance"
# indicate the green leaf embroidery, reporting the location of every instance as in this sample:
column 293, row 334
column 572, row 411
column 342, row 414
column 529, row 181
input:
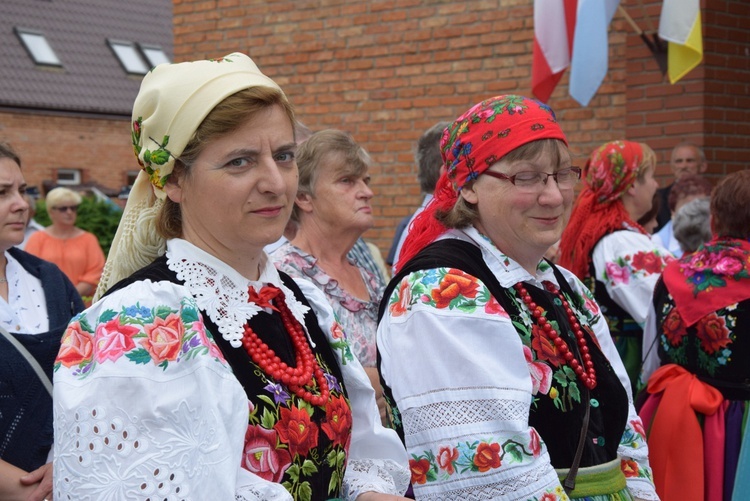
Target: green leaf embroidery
column 106, row 316
column 305, row 491
column 268, row 419
column 308, row 468
column 139, row 356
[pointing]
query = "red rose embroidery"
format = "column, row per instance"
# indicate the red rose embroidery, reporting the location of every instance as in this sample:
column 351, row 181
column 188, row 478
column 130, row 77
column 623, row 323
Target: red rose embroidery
column 445, row 459
column 535, row 444
column 673, row 328
column 338, row 423
column 493, row 307
column 419, row 469
column 487, row 457
column 455, row 283
column 713, row 333
column 76, row 346
column 638, row 427
column 113, row 339
column 648, row 262
column 262, row 457
column 402, row 304
column 629, row 468
column 545, row 347
column 296, row 429
column 164, row 338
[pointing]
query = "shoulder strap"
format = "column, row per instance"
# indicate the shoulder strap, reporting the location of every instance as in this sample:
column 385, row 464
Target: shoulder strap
column 29, row 358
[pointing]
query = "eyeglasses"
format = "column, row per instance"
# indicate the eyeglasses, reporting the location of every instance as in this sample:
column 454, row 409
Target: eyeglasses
column 66, row 208
column 533, row 182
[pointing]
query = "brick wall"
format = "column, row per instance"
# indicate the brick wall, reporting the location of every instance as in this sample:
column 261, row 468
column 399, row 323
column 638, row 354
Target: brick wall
column 99, row 148
column 386, row 70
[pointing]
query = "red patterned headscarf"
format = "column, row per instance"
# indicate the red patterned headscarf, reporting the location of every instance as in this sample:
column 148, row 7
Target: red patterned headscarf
column 610, row 171
column 475, row 141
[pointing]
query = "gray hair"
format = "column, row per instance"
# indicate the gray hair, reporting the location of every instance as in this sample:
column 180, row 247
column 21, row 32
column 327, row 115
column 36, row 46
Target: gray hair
column 428, row 157
column 692, row 224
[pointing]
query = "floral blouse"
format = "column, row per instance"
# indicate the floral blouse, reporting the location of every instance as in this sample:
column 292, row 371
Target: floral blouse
column 147, row 406
column 465, row 404
column 358, row 318
column 629, row 264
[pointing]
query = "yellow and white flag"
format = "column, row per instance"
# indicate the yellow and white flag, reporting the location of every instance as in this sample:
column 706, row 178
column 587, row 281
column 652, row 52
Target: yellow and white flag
column 680, row 25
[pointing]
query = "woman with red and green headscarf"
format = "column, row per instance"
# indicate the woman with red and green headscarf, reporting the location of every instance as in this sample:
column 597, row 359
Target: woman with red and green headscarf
column 500, row 376
column 607, row 249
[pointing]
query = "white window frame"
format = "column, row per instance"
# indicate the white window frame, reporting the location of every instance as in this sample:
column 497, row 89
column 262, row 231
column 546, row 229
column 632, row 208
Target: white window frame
column 128, row 56
column 154, row 54
column 75, row 177
column 38, row 47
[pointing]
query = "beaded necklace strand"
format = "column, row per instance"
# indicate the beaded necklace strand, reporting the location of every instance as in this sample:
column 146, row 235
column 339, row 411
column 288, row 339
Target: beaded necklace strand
column 585, row 372
column 306, row 371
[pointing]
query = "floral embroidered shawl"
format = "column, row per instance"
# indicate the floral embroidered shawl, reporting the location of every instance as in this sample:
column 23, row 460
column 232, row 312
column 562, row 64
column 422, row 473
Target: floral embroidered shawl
column 715, row 276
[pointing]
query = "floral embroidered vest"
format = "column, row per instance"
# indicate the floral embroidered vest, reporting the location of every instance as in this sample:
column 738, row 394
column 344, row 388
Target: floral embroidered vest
column 288, row 441
column 559, row 420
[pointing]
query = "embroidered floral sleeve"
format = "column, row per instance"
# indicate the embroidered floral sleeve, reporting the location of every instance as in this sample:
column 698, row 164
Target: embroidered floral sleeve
column 144, row 403
column 446, row 315
column 629, row 264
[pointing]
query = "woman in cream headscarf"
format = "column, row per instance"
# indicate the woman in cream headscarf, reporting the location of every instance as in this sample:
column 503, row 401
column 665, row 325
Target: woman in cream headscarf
column 207, row 374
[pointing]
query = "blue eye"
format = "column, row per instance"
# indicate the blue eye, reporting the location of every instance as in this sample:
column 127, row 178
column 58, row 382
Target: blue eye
column 238, row 162
column 286, row 156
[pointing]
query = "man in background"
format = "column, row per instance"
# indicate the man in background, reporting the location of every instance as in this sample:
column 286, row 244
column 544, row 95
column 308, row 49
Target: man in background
column 686, row 159
column 430, row 166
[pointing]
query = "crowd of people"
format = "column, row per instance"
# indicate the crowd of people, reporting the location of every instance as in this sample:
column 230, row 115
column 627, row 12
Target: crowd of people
column 551, row 330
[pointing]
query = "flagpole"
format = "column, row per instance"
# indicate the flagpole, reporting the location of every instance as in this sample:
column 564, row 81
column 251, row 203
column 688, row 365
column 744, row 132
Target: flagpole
column 630, row 20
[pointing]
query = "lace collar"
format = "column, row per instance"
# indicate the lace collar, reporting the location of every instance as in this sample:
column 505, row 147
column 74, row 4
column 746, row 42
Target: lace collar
column 221, row 292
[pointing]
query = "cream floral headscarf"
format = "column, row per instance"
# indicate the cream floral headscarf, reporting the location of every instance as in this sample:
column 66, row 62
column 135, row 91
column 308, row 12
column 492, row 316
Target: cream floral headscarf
column 173, row 101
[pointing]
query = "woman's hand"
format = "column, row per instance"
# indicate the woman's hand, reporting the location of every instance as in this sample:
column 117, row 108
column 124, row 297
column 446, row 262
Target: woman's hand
column 372, row 373
column 42, row 477
column 376, row 496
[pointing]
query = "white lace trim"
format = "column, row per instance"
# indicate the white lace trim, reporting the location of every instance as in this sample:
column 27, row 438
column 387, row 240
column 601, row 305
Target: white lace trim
column 222, row 292
column 384, row 476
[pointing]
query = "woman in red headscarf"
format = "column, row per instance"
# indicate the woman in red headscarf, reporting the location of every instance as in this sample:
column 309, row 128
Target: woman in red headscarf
column 500, row 374
column 607, row 249
column 699, row 321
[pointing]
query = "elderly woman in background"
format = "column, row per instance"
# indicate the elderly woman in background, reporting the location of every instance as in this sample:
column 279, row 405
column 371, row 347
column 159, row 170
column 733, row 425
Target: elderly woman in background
column 333, row 210
column 75, row 251
column 697, row 410
column 208, row 374
column 607, row 249
column 691, row 224
column 685, row 189
column 499, row 370
column 36, row 303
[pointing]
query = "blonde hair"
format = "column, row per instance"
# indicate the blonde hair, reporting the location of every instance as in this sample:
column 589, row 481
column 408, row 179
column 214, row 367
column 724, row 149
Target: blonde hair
column 61, row 196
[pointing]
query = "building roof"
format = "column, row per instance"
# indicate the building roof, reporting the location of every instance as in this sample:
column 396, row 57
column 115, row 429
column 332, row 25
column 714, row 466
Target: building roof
column 91, row 78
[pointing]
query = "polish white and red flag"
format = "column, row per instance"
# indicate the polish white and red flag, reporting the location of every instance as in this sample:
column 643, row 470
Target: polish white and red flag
column 571, row 33
column 554, row 23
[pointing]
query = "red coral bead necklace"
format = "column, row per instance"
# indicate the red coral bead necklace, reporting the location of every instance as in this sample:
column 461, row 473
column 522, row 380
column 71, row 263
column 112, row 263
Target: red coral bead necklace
column 585, row 371
column 306, row 370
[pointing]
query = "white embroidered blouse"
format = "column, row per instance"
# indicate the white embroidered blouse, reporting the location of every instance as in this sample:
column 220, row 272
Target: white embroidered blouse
column 146, row 406
column 463, row 379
